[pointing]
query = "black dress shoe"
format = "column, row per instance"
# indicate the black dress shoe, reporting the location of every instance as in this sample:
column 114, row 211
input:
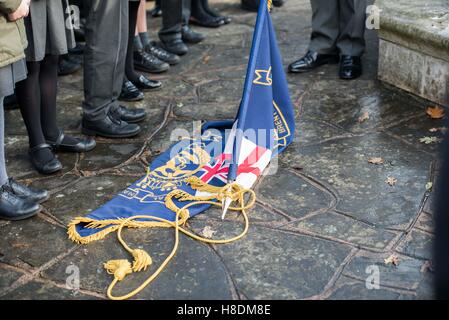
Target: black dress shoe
column 85, row 145
column 67, row 65
column 207, row 22
column 190, row 36
column 13, row 207
column 278, row 3
column 78, row 49
column 110, row 127
column 145, row 83
column 130, row 92
column 10, row 102
column 162, row 54
column 350, row 67
column 48, row 167
column 131, row 115
column 311, row 61
column 146, row 62
column 27, row 192
column 175, row 46
column 225, row 19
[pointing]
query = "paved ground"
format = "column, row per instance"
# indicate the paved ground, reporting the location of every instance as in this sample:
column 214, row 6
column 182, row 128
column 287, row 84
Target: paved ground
column 318, row 225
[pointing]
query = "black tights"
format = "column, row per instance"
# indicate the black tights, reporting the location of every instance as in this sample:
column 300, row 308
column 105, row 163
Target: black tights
column 37, row 99
column 130, row 72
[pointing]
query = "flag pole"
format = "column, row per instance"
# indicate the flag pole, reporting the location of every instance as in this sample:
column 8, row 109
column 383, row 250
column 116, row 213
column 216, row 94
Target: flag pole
column 226, row 202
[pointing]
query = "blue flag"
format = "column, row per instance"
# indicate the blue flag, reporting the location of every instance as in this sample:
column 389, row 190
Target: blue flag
column 227, row 151
column 265, row 118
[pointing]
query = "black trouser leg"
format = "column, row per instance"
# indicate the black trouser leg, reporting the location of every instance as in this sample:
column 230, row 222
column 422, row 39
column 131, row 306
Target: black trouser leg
column 171, row 20
column 105, row 55
column 129, row 67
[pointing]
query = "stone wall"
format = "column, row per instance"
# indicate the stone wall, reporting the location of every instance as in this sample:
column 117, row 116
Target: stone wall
column 414, row 47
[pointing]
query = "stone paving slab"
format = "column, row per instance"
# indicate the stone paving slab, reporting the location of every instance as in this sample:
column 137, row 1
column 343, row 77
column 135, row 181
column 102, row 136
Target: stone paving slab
column 319, row 222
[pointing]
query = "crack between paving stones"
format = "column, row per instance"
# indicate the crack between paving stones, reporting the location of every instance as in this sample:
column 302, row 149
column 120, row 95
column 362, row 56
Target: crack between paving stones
column 330, row 286
column 34, row 273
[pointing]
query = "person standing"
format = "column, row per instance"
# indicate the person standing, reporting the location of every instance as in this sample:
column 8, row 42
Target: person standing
column 17, row 201
column 171, row 32
column 338, row 29
column 106, row 33
column 48, row 38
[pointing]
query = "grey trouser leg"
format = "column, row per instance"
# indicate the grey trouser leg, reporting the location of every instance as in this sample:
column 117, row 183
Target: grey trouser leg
column 3, row 174
column 338, row 24
column 171, row 20
column 105, row 55
column 352, row 27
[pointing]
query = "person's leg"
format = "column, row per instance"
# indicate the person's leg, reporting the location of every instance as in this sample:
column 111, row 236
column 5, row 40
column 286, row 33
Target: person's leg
column 171, row 20
column 105, row 55
column 200, row 16
column 325, row 30
column 325, row 26
column 3, row 174
column 142, row 27
column 29, row 97
column 130, row 72
column 17, row 201
column 351, row 41
column 48, row 81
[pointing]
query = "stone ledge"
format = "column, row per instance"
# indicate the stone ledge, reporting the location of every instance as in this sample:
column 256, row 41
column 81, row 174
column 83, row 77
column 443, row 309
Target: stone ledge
column 414, row 47
column 420, row 25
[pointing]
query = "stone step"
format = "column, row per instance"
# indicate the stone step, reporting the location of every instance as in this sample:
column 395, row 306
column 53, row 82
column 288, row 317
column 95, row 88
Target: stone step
column 414, row 47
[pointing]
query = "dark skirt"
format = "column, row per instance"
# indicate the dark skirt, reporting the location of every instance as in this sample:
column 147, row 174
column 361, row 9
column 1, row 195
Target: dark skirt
column 10, row 75
column 49, row 29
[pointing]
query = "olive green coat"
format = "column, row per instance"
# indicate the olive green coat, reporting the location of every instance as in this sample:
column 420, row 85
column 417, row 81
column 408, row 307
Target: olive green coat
column 12, row 34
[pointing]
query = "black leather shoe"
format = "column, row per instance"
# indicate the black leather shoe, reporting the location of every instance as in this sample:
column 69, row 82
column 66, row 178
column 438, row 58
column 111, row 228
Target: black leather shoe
column 162, row 54
column 110, row 127
column 145, row 83
column 67, row 65
column 27, row 192
column 131, row 115
column 209, row 22
column 350, row 67
column 146, row 62
column 278, row 3
column 225, row 19
column 13, row 207
column 175, row 46
column 10, row 102
column 85, row 145
column 130, row 92
column 190, row 36
column 47, row 167
column 311, row 61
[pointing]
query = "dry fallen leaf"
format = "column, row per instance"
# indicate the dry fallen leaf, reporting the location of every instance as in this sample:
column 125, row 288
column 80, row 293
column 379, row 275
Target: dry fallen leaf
column 429, row 140
column 364, row 117
column 208, row 232
column 427, row 266
column 206, row 59
column 393, row 259
column 391, row 181
column 376, row 160
column 435, row 112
